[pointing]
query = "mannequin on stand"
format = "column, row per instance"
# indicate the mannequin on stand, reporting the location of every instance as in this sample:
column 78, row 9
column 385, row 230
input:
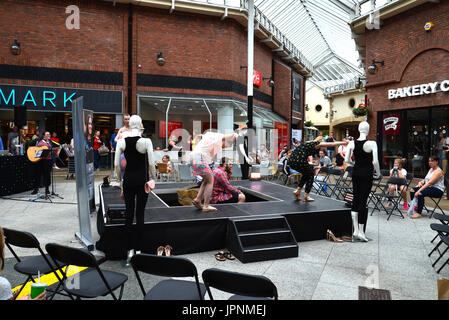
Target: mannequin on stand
column 138, row 181
column 366, row 162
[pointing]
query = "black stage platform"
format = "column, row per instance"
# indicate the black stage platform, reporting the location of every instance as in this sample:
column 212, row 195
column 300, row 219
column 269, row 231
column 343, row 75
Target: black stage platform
column 188, row 230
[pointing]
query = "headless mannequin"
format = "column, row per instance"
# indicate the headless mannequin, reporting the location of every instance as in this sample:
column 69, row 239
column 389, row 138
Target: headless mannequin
column 135, row 177
column 361, row 190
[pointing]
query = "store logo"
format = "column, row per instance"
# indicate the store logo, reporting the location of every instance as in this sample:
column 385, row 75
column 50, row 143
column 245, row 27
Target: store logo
column 46, row 98
column 73, row 20
column 419, row 90
column 391, row 123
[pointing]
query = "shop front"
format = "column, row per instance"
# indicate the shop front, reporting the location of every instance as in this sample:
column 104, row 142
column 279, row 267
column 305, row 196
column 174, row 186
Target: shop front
column 182, row 118
column 49, row 109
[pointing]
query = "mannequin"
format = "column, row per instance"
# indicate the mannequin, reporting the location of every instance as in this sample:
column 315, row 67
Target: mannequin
column 366, row 162
column 136, row 176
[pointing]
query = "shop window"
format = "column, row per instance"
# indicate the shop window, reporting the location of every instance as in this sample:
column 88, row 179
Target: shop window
column 318, row 108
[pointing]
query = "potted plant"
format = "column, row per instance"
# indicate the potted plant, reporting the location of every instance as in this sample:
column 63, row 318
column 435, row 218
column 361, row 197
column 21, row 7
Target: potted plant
column 360, row 111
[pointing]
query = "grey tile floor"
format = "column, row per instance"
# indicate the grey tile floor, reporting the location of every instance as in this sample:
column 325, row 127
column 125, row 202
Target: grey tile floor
column 395, row 259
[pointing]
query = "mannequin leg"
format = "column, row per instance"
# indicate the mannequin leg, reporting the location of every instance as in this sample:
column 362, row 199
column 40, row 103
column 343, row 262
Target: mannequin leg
column 130, row 198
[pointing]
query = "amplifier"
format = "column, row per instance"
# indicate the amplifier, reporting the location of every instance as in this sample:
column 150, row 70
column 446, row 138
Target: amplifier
column 116, row 213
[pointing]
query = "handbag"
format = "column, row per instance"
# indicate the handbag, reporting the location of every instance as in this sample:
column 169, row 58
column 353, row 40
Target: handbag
column 103, row 150
column 413, row 206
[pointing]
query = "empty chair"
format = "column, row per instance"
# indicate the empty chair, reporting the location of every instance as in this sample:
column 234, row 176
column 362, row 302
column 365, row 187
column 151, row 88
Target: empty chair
column 443, row 232
column 91, row 282
column 243, row 286
column 236, row 171
column 31, row 266
column 169, row 289
column 394, row 199
column 185, row 173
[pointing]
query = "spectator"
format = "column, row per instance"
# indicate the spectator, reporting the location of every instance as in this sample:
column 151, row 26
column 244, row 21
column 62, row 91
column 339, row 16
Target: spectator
column 325, row 161
column 97, row 145
column 431, row 186
column 283, row 153
column 36, row 135
column 13, row 140
column 398, row 171
column 112, row 142
column 341, row 154
column 330, row 150
column 166, row 159
column 54, row 137
column 285, row 167
column 223, row 191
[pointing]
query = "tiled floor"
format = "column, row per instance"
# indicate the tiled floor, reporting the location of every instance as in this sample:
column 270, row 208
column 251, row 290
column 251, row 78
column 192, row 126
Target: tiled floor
column 395, row 259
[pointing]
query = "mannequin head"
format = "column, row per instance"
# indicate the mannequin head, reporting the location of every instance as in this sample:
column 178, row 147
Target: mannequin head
column 135, row 122
column 364, row 127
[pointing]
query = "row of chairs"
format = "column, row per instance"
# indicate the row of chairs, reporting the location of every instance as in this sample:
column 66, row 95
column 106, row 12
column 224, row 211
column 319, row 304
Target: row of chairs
column 442, row 230
column 95, row 282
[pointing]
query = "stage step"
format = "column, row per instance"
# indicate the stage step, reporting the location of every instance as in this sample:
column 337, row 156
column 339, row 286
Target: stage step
column 261, row 239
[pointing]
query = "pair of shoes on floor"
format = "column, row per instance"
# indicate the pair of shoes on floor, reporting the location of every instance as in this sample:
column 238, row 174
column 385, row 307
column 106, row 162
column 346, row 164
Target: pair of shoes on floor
column 331, row 237
column 223, row 255
column 167, row 250
column 35, row 191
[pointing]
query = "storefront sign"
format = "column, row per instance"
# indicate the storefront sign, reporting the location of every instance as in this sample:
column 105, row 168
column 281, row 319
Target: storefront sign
column 297, row 81
column 391, row 124
column 172, row 126
column 350, row 85
column 257, row 78
column 419, row 90
column 59, row 99
column 282, row 129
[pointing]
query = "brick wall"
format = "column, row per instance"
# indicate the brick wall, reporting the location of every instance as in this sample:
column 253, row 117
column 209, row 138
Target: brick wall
column 412, row 56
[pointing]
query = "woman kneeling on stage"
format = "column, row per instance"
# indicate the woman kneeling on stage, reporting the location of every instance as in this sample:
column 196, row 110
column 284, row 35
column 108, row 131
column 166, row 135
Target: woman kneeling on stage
column 136, row 181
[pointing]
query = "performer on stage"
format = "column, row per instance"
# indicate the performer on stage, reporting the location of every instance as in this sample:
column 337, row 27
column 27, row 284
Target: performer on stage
column 298, row 162
column 366, row 161
column 139, row 155
column 44, row 166
column 210, row 144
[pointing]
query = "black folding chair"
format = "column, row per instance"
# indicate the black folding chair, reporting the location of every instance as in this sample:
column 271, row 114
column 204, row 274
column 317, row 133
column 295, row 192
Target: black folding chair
column 378, row 186
column 334, row 181
column 89, row 283
column 320, row 181
column 31, row 266
column 345, row 185
column 169, row 289
column 394, row 199
column 444, row 219
column 443, row 232
column 436, row 201
column 243, row 286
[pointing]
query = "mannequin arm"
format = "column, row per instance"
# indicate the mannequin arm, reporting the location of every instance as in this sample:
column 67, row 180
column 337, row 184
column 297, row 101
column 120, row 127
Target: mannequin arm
column 150, row 159
column 120, row 148
column 375, row 160
column 242, row 150
column 330, row 144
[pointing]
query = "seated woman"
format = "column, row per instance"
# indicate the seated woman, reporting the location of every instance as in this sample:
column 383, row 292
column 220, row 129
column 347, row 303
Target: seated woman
column 431, row 186
column 223, row 191
column 166, row 159
column 398, row 171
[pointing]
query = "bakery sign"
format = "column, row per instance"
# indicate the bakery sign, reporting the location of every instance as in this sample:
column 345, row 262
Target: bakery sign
column 391, row 124
column 419, row 90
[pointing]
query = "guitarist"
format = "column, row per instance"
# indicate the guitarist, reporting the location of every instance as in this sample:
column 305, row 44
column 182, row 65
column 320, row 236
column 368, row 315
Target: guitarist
column 44, row 166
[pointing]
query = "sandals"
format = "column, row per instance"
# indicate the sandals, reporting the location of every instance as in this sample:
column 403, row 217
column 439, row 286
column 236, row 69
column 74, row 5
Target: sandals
column 308, row 199
column 297, row 193
column 167, row 250
column 209, row 209
column 222, row 256
column 346, row 239
column 197, row 204
column 331, row 237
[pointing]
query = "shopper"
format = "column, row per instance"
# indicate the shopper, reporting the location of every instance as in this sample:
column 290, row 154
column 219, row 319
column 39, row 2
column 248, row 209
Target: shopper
column 330, row 150
column 97, row 145
column 431, row 186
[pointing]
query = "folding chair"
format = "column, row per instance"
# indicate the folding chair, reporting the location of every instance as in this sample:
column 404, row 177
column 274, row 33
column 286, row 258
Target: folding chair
column 335, row 176
column 162, row 171
column 378, row 186
column 243, row 286
column 89, row 283
column 437, row 202
column 443, row 232
column 320, row 181
column 168, row 267
column 444, row 219
column 395, row 199
column 345, row 185
column 31, row 266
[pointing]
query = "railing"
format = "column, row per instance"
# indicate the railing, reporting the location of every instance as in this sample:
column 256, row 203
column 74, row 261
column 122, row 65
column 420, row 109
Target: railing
column 364, row 7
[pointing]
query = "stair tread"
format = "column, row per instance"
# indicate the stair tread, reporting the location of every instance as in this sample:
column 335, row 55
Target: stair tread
column 264, row 231
column 245, row 219
column 271, row 246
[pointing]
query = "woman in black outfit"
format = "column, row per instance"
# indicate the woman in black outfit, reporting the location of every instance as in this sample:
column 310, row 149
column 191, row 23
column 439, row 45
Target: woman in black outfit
column 298, row 162
column 139, row 156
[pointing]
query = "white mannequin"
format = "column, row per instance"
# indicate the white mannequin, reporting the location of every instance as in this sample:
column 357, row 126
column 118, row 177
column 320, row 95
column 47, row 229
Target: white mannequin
column 143, row 145
column 368, row 147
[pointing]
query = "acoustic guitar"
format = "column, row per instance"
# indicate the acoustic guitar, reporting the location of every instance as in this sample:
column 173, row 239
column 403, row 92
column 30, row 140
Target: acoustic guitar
column 32, row 152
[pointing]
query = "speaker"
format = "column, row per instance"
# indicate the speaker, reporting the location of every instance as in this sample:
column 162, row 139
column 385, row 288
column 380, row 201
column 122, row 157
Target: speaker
column 116, row 213
column 20, row 116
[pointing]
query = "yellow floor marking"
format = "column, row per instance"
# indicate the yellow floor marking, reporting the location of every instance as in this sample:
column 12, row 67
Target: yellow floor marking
column 48, row 279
